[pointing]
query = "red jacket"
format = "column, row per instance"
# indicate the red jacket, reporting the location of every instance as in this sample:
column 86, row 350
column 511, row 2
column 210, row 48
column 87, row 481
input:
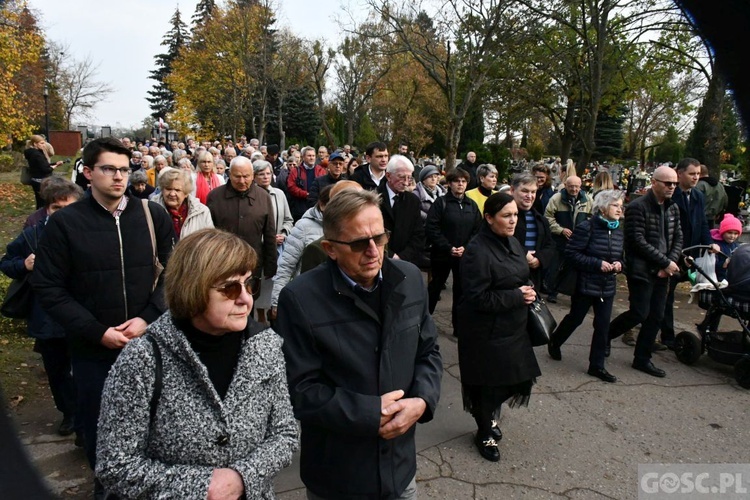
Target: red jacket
column 296, row 182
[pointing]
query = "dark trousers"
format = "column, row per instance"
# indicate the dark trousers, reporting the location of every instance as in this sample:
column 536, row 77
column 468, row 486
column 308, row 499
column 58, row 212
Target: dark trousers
column 667, row 324
column 552, row 269
column 440, row 271
column 36, row 186
column 579, row 307
column 56, row 361
column 89, row 376
column 647, row 299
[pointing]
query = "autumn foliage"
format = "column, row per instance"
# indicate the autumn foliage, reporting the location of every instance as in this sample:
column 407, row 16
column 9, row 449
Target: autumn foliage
column 21, row 47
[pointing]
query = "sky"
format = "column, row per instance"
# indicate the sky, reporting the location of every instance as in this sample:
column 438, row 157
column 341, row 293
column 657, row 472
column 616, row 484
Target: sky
column 123, row 38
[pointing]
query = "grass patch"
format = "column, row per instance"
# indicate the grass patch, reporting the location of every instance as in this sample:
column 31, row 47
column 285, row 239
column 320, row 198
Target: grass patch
column 19, row 365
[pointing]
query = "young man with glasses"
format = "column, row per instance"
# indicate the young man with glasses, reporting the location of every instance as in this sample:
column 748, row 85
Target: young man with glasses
column 362, row 359
column 653, row 241
column 95, row 275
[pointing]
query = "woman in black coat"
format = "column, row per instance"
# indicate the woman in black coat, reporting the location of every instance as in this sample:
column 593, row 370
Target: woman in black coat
column 451, row 222
column 496, row 359
column 595, row 251
column 39, row 165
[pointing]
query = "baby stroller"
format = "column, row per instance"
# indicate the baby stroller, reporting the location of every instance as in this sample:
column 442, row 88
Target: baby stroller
column 726, row 347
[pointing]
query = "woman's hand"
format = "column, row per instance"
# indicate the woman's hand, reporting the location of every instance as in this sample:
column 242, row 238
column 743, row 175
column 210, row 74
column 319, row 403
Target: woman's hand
column 606, row 267
column 225, row 484
column 28, row 263
column 528, row 293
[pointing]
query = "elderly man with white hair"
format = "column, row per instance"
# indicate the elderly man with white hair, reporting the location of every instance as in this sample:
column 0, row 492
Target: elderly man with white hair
column 401, row 213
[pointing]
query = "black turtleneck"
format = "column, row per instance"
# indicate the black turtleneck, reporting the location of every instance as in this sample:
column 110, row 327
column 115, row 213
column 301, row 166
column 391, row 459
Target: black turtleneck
column 486, row 192
column 219, row 353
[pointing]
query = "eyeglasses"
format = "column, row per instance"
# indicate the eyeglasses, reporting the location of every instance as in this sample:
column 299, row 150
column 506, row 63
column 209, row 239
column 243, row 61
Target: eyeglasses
column 109, row 171
column 363, row 244
column 233, row 289
column 667, row 183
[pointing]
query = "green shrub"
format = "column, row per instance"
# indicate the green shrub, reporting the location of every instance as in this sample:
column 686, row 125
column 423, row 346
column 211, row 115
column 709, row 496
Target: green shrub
column 11, row 161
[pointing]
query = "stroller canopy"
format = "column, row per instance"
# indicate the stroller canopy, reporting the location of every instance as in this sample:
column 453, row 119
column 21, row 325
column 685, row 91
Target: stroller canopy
column 738, row 273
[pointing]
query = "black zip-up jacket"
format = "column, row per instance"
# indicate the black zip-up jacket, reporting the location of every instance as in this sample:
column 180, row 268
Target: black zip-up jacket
column 643, row 230
column 93, row 271
column 451, row 223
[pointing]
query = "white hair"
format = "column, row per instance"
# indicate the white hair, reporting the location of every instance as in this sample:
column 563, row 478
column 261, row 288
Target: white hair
column 398, row 162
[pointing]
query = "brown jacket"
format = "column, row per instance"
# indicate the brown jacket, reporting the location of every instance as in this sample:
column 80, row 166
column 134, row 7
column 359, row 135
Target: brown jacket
column 250, row 216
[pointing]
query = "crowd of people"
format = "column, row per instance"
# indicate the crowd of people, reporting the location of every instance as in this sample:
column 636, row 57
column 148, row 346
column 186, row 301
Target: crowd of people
column 195, row 303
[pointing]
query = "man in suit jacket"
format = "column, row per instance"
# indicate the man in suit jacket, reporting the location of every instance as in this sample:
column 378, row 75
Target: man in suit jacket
column 695, row 231
column 401, row 213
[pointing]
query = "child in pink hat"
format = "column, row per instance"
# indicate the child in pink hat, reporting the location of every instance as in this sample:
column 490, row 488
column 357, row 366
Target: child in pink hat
column 726, row 237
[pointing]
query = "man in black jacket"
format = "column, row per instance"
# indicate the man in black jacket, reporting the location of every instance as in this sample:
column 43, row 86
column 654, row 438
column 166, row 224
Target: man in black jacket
column 371, row 174
column 401, row 213
column 532, row 229
column 95, row 274
column 653, row 241
column 362, row 358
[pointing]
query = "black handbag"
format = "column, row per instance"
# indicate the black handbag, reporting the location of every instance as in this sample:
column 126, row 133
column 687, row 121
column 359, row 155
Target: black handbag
column 18, row 299
column 541, row 323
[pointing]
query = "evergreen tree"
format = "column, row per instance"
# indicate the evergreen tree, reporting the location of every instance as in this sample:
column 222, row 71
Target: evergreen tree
column 203, row 12
column 609, row 134
column 162, row 97
column 473, row 130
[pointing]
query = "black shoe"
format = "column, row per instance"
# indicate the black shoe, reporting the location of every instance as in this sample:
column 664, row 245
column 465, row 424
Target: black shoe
column 608, row 350
column 495, row 431
column 669, row 344
column 487, row 448
column 602, row 374
column 79, row 440
column 648, row 367
column 66, row 426
column 554, row 351
column 552, row 298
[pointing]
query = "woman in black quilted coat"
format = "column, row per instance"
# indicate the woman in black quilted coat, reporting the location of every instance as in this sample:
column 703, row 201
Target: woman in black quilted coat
column 595, row 251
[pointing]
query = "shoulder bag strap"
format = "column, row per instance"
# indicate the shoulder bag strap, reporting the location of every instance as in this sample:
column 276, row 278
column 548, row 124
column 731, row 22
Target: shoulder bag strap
column 158, row 268
column 150, row 222
column 156, row 395
column 31, row 245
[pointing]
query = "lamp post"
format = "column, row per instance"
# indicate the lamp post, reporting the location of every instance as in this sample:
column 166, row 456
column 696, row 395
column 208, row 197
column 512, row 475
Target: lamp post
column 46, row 112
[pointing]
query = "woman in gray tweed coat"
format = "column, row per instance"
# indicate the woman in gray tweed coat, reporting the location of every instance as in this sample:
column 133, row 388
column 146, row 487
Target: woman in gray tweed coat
column 222, row 426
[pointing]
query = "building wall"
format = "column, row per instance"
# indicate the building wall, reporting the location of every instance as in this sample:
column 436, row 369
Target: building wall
column 65, row 142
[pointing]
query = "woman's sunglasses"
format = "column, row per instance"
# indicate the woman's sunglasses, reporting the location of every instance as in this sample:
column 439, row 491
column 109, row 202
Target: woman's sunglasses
column 233, row 289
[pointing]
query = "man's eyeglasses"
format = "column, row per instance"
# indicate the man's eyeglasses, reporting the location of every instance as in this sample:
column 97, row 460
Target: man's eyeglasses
column 233, row 289
column 109, row 171
column 363, row 244
column 667, row 183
